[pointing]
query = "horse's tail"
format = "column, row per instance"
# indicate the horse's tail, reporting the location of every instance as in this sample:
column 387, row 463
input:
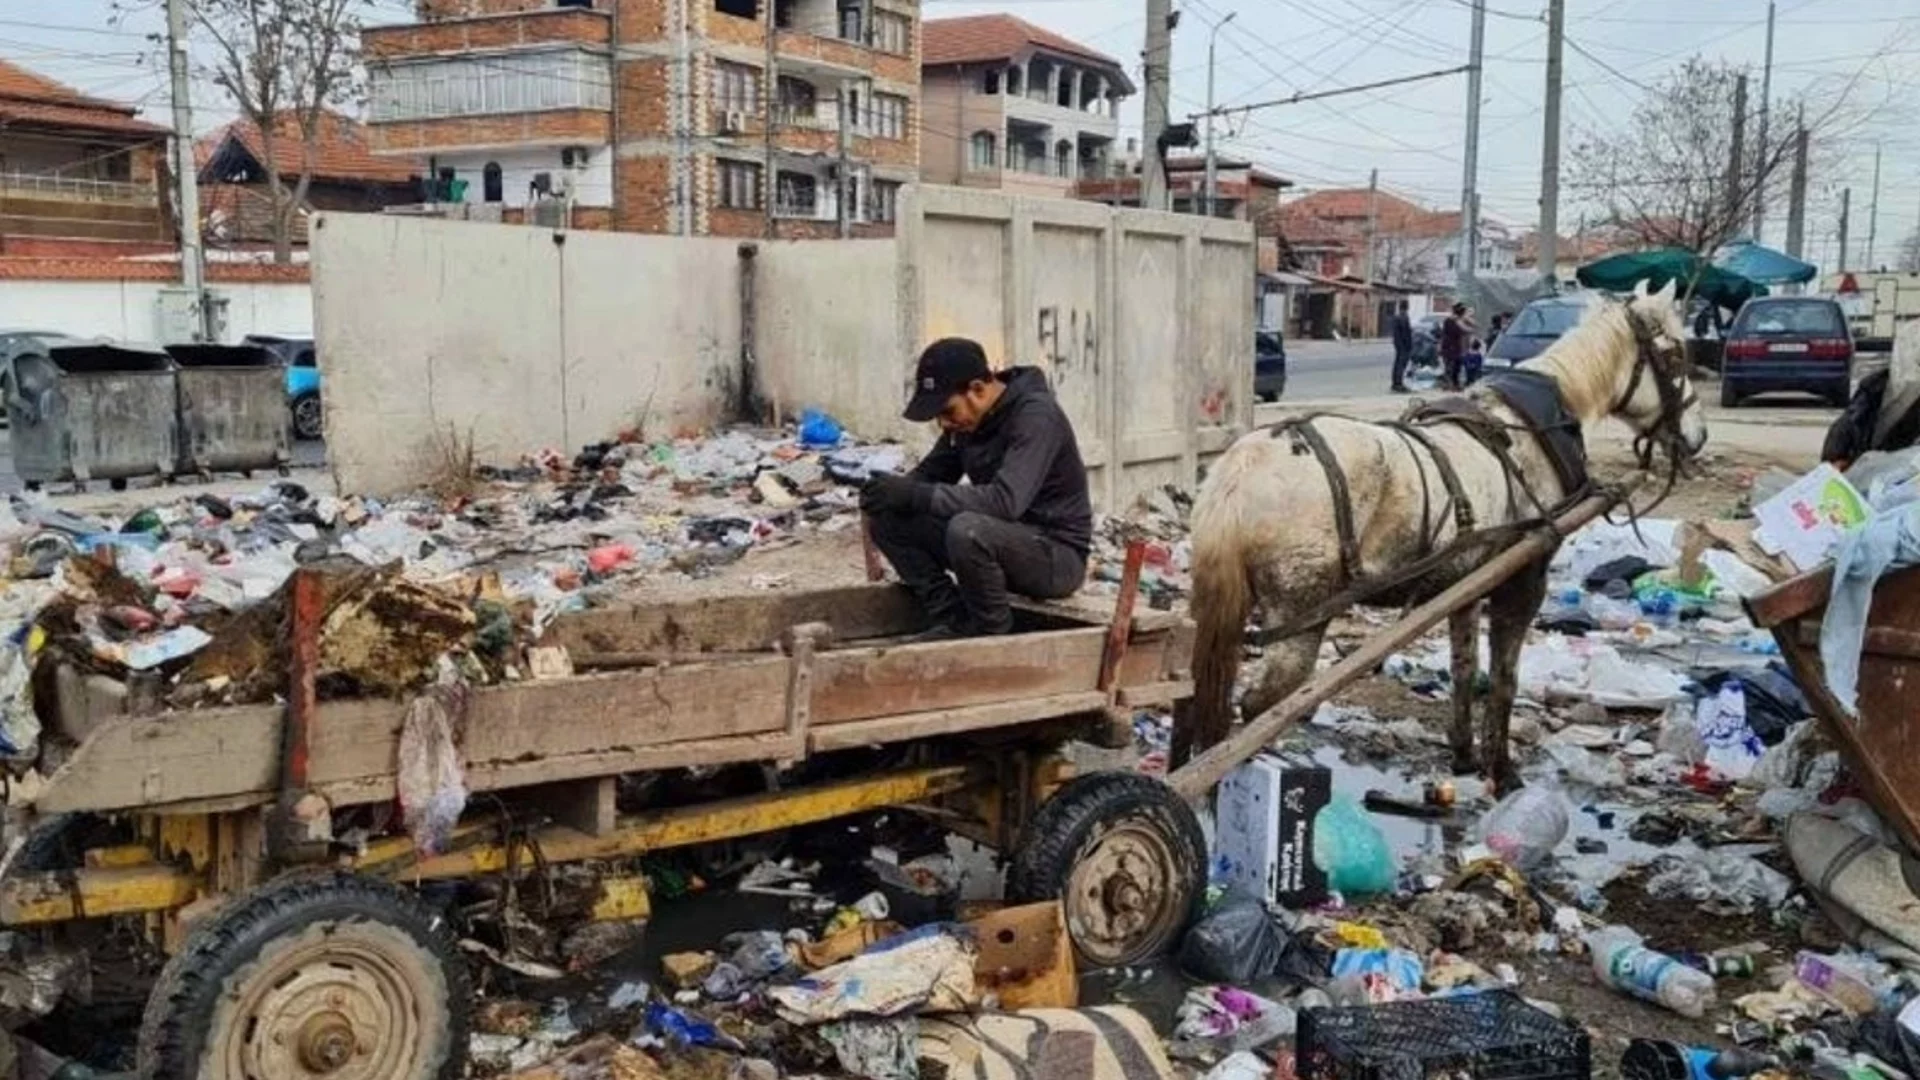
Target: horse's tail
column 1222, row 598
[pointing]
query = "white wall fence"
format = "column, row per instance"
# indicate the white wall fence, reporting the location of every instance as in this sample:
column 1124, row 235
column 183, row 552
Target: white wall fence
column 523, row 338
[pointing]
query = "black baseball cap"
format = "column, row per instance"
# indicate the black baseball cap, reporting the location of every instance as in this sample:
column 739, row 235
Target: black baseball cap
column 948, row 367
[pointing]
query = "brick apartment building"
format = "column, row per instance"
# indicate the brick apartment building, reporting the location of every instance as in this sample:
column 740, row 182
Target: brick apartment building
column 1014, row 106
column 657, row 115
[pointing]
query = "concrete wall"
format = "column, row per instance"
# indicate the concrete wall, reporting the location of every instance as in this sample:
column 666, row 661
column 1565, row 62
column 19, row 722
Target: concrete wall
column 519, row 338
column 128, row 310
column 531, row 339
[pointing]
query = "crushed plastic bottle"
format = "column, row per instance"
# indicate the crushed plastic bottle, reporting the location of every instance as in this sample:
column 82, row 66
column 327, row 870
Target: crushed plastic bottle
column 1525, row 827
column 1661, row 607
column 1623, row 962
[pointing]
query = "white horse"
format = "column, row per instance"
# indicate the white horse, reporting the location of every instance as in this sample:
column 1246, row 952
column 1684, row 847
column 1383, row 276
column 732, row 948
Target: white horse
column 1268, row 533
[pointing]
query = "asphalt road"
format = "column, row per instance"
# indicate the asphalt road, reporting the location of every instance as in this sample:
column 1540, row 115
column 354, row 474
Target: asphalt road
column 306, row 455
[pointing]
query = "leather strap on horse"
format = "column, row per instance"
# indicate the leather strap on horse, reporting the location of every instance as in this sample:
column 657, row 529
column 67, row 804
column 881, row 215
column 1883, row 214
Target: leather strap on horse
column 1301, row 428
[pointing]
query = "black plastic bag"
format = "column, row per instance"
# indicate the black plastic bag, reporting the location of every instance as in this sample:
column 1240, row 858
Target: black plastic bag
column 1240, row 943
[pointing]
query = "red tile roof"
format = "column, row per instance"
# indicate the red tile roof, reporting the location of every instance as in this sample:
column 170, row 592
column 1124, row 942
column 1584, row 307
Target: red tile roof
column 108, row 269
column 1344, row 212
column 28, row 99
column 342, row 152
column 985, row 39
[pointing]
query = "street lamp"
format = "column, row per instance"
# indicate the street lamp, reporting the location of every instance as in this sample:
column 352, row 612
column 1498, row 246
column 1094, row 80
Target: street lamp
column 1211, row 176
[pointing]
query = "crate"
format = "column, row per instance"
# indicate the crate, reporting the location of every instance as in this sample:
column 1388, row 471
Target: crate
column 1486, row 1036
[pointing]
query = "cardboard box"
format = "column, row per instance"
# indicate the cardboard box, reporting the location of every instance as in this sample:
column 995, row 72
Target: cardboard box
column 1263, row 829
column 1807, row 519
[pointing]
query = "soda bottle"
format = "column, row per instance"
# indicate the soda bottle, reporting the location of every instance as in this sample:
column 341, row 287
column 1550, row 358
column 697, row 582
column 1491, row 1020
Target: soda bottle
column 1623, row 962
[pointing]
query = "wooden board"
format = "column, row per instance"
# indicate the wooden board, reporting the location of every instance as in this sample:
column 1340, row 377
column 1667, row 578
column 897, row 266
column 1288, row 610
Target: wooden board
column 861, row 684
column 744, row 623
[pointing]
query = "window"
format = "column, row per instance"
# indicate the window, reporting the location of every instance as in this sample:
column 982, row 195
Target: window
column 1811, row 318
column 1453, row 261
column 893, row 33
column 850, row 23
column 884, row 202
column 739, row 9
column 889, row 118
column 798, row 195
column 1063, row 159
column 1013, row 80
column 736, row 88
column 984, row 155
column 493, row 189
column 1484, row 260
column 990, row 81
column 739, row 185
column 461, row 86
column 799, row 101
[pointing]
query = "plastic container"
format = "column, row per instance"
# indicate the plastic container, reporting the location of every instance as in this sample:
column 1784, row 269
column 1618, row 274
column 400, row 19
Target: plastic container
column 1493, row 1036
column 1623, row 962
column 1525, row 827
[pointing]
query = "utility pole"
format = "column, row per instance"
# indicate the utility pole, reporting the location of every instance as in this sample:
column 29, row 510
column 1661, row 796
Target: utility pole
column 1469, row 192
column 1846, row 204
column 1547, row 246
column 1766, row 148
column 1373, row 220
column 844, row 184
column 1213, row 173
column 1873, row 209
column 193, row 267
column 1797, row 194
column 1736, row 166
column 771, row 172
column 1159, row 53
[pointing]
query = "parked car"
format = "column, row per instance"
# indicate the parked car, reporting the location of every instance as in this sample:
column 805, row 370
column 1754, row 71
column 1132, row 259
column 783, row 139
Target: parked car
column 12, row 341
column 1539, row 324
column 1784, row 343
column 303, row 380
column 1269, row 365
column 1426, row 340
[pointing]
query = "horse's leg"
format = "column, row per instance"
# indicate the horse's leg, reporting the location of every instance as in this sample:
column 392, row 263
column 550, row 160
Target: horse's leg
column 1464, row 629
column 1511, row 608
column 1289, row 663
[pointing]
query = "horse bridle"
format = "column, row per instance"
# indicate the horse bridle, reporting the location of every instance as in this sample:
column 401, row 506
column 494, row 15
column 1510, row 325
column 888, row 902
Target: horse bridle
column 1676, row 397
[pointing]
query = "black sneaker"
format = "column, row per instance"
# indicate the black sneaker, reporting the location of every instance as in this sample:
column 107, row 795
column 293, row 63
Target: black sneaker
column 938, row 632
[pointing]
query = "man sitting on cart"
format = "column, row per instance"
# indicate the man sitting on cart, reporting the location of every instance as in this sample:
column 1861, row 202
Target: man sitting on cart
column 1024, row 521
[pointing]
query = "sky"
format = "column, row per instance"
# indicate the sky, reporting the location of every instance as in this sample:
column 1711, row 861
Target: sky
column 1413, row 134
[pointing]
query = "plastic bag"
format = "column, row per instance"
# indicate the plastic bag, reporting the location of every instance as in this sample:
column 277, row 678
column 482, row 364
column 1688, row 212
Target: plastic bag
column 1680, row 734
column 1720, row 881
column 1351, row 849
column 1732, row 747
column 1236, row 943
column 1525, row 827
column 817, row 429
column 432, row 784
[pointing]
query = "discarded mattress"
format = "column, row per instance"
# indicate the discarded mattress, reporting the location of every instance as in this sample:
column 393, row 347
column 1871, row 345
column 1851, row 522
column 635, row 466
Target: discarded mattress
column 1872, row 890
column 1107, row 1043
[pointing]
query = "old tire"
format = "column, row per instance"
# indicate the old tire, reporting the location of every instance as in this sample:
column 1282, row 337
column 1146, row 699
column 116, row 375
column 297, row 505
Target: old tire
column 1729, row 397
column 309, row 421
column 1126, row 857
column 314, row 975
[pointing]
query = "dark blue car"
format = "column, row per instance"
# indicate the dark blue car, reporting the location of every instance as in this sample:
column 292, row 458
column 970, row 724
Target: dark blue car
column 1539, row 324
column 1269, row 365
column 1780, row 343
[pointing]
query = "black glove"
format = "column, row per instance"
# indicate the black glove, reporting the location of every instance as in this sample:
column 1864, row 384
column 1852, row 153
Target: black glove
column 889, row 493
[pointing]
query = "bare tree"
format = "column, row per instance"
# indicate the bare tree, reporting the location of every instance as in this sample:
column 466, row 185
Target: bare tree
column 1909, row 257
column 286, row 63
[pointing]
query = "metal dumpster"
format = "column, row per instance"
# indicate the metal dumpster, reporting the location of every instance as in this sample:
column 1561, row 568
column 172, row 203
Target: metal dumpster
column 90, row 412
column 232, row 409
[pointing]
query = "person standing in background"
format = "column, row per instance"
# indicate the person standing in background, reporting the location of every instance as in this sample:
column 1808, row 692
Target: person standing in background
column 1454, row 335
column 1402, row 347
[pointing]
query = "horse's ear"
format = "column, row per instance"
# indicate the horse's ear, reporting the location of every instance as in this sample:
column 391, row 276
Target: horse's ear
column 1640, row 288
column 1667, row 294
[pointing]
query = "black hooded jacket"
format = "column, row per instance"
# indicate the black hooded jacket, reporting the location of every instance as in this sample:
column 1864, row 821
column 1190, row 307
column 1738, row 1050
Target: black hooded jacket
column 1023, row 463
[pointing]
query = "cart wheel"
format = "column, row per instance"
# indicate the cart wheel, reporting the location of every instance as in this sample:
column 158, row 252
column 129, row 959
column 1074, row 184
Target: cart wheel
column 61, row 842
column 313, row 975
column 1125, row 855
column 118, row 483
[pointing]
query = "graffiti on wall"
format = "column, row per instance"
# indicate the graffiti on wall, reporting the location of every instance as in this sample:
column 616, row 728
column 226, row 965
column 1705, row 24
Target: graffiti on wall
column 1069, row 342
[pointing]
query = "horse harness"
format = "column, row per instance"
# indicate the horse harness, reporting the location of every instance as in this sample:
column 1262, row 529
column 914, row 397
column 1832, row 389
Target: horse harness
column 1535, row 398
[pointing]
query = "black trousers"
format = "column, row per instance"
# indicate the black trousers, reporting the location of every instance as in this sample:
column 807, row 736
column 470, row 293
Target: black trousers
column 1400, row 358
column 962, row 569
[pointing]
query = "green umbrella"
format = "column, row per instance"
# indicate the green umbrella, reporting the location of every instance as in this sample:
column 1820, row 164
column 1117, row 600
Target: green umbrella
column 1620, row 273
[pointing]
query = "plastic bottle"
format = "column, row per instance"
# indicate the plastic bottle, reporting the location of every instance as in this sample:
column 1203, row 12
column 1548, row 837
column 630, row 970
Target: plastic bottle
column 1661, row 608
column 1624, row 963
column 1567, row 603
column 1525, row 827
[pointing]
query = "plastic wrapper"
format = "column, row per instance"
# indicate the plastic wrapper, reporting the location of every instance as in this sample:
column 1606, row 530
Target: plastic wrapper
column 1217, row 1020
column 876, row 1049
column 1352, row 849
column 1732, row 747
column 1720, row 881
column 1525, row 827
column 432, row 784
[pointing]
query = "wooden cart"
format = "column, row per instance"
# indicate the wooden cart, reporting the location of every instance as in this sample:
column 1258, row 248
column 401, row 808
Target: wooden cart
column 1882, row 743
column 295, row 956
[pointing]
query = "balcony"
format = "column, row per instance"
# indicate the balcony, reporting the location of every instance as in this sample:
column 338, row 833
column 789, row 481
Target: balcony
column 50, row 187
column 469, row 86
column 51, row 205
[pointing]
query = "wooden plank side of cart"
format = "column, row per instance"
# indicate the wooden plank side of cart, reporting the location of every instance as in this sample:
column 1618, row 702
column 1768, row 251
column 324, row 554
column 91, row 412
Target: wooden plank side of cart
column 709, row 712
column 1882, row 743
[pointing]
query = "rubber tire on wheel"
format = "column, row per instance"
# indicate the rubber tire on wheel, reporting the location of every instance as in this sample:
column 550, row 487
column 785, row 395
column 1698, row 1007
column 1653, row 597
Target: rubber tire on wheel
column 1729, row 397
column 1841, row 394
column 309, row 421
column 297, row 941
column 1070, row 830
